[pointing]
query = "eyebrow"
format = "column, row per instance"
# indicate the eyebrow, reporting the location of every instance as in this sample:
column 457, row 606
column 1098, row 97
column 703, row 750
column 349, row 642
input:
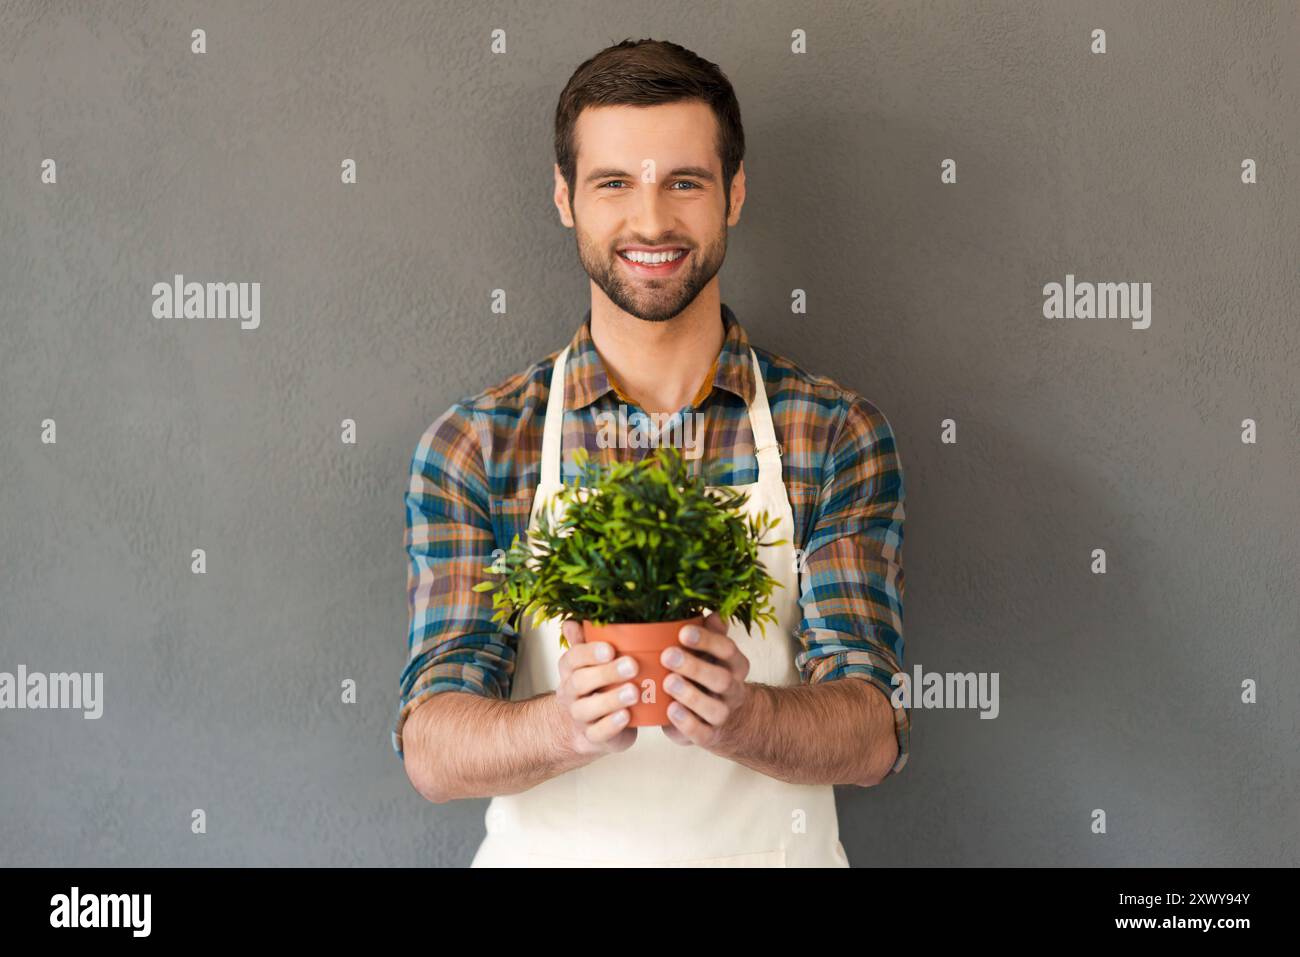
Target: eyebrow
column 699, row 172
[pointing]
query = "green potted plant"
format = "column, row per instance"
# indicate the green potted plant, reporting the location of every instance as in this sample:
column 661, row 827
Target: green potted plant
column 639, row 550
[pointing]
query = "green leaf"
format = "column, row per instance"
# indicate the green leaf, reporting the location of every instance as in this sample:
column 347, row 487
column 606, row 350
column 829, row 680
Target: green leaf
column 638, row 541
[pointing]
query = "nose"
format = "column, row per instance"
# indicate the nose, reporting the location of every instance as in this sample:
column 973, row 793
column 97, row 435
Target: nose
column 652, row 218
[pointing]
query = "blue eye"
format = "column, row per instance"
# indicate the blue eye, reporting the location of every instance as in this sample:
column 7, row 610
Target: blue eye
column 680, row 182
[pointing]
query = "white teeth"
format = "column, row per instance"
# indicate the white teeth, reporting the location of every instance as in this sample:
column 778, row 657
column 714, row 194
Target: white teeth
column 652, row 259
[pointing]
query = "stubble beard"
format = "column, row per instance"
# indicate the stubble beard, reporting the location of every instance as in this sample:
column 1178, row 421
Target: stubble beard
column 654, row 300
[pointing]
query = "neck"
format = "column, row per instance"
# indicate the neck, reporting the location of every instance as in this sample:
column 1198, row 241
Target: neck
column 659, row 365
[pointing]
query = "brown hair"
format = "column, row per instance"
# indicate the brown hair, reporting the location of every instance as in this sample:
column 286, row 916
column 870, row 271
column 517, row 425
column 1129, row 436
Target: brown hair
column 643, row 73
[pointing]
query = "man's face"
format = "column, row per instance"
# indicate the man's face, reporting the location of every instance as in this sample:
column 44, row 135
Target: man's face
column 649, row 185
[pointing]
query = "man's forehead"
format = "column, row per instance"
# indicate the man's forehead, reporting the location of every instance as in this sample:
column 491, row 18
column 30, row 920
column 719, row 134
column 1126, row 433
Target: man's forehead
column 683, row 132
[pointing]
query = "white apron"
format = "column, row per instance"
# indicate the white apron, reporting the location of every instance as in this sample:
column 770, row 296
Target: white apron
column 659, row 803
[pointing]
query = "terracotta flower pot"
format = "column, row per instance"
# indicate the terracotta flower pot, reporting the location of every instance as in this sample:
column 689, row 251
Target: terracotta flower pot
column 644, row 641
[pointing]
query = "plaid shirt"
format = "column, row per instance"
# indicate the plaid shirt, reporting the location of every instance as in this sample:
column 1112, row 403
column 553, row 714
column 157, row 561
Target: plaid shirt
column 476, row 468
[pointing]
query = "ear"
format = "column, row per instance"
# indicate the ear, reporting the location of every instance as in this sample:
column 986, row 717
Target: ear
column 737, row 195
column 562, row 198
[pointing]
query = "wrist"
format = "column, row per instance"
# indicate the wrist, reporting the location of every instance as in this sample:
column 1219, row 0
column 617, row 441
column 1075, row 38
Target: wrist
column 564, row 745
column 739, row 730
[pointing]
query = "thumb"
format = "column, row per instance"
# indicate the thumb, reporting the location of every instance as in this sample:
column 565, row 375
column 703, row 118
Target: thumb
column 714, row 622
column 571, row 629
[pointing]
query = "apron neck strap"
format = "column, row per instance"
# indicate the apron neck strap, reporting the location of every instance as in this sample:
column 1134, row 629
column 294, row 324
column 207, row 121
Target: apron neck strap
column 766, row 448
column 553, row 434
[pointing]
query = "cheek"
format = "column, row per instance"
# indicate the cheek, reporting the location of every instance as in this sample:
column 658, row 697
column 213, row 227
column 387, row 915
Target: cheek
column 595, row 244
column 593, row 222
column 703, row 222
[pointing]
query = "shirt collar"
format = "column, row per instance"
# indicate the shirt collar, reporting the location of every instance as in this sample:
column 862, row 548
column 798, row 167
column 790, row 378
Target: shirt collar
column 586, row 380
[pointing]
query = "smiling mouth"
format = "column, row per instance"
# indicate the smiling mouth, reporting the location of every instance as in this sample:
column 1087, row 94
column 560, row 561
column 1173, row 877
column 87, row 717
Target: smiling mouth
column 659, row 263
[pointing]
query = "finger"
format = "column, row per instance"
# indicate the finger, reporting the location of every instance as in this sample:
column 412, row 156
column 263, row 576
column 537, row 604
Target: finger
column 715, row 622
column 710, row 641
column 568, row 638
column 675, row 736
column 593, row 707
column 571, row 633
column 621, row 741
column 609, row 726
column 704, row 705
column 715, row 677
column 690, row 726
column 586, row 679
column 583, row 654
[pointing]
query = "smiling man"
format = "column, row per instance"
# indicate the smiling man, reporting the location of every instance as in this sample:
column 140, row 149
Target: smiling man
column 649, row 174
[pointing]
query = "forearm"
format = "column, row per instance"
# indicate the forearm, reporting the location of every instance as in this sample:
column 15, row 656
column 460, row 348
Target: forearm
column 461, row 745
column 835, row 732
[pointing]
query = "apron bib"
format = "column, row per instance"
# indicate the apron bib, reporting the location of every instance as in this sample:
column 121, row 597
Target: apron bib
column 661, row 804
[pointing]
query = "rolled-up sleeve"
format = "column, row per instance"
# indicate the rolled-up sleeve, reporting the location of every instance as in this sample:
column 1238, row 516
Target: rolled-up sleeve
column 452, row 642
column 852, row 576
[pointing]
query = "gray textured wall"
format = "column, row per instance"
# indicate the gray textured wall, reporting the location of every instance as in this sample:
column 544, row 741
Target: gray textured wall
column 1118, row 691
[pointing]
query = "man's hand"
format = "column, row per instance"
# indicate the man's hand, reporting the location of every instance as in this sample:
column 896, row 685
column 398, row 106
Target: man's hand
column 596, row 721
column 708, row 681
